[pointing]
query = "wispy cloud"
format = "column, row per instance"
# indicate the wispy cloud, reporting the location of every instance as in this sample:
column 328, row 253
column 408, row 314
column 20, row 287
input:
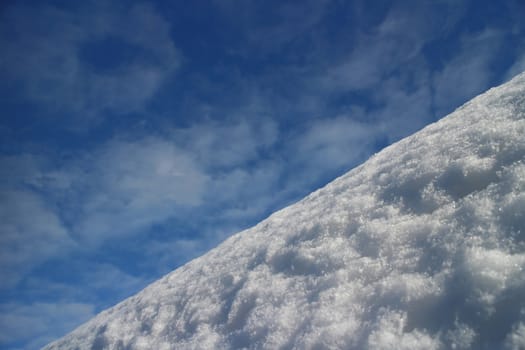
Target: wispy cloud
column 227, row 144
column 468, row 73
column 390, row 47
column 126, row 186
column 53, row 56
column 45, row 320
column 30, row 233
column 331, row 145
column 119, row 189
column 518, row 66
column 274, row 30
column 30, row 229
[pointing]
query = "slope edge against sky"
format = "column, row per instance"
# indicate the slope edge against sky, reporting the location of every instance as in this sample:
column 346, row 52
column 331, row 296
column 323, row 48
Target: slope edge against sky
column 422, row 247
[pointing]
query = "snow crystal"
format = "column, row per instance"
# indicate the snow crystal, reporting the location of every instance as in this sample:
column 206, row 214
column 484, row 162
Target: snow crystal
column 421, row 247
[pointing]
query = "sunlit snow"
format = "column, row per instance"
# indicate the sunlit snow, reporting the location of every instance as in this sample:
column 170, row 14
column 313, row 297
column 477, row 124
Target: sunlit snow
column 421, row 247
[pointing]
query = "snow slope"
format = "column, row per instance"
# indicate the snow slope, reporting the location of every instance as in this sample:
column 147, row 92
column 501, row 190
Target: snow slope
column 421, row 247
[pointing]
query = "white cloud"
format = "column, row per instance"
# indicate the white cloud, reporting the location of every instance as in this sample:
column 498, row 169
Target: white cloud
column 31, row 229
column 247, row 192
column 119, row 189
column 468, row 73
column 329, row 145
column 395, row 42
column 229, row 144
column 517, row 67
column 516, row 340
column 45, row 317
column 45, row 321
column 404, row 110
column 30, row 232
column 289, row 21
column 107, row 278
column 127, row 186
column 387, row 64
column 48, row 56
column 100, row 278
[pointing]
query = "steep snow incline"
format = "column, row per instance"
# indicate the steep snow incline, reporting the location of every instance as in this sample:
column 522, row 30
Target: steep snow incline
column 421, row 247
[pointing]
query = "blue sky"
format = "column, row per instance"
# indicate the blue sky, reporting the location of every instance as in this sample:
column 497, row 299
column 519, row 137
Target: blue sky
column 136, row 136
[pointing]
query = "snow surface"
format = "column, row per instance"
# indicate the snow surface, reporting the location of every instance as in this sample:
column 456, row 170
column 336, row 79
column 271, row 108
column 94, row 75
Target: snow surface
column 421, row 247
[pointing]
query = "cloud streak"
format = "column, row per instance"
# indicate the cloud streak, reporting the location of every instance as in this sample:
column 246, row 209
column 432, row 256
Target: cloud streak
column 51, row 56
column 45, row 320
column 30, row 233
column 128, row 186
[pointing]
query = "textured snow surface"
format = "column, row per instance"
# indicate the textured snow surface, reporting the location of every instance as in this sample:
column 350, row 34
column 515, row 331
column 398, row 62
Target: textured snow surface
column 421, row 247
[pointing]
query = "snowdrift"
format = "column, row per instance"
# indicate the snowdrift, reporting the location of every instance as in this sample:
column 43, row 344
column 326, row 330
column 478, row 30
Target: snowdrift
column 421, row 247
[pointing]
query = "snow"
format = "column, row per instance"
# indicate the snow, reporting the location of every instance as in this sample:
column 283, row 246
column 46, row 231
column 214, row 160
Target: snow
column 421, row 247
